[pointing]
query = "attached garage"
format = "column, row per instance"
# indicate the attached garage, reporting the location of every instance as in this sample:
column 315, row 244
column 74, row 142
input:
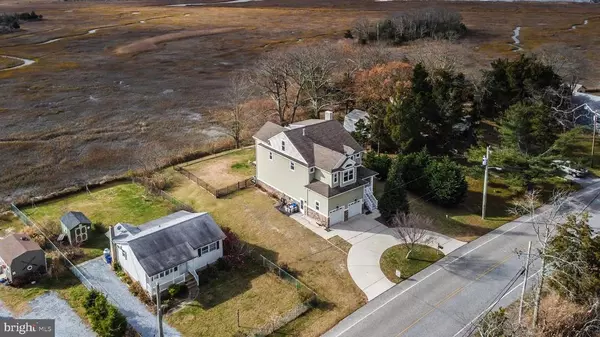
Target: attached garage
column 355, row 208
column 336, row 216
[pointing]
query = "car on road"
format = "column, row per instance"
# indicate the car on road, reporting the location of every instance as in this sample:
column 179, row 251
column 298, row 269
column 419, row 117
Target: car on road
column 569, row 168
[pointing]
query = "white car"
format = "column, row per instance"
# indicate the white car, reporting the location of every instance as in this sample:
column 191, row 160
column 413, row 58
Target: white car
column 569, row 168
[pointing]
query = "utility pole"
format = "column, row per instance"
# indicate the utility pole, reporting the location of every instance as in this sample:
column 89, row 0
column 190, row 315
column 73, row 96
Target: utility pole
column 485, row 162
column 158, row 311
column 525, row 281
column 593, row 140
column 538, row 294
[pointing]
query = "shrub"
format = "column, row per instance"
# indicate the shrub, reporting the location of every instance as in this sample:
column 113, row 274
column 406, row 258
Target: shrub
column 175, row 289
column 105, row 318
column 379, row 163
column 223, row 264
column 234, row 250
column 156, row 182
column 394, row 194
column 98, row 227
column 35, row 235
column 447, row 182
column 413, row 167
column 138, row 291
column 55, row 266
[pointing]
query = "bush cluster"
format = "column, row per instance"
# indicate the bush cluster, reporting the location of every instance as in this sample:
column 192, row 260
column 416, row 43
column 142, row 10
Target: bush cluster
column 105, row 318
column 379, row 163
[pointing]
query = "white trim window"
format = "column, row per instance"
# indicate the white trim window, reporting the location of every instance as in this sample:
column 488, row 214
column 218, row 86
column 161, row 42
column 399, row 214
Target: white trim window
column 270, row 155
column 208, row 248
column 283, row 145
column 317, row 205
column 292, row 166
column 348, row 176
column 335, row 177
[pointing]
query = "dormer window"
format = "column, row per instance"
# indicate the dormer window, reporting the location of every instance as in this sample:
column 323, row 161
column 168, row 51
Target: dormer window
column 283, row 145
column 335, row 178
column 348, row 176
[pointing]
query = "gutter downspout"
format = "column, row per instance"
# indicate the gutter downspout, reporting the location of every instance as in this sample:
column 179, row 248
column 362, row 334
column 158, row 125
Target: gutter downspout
column 112, row 247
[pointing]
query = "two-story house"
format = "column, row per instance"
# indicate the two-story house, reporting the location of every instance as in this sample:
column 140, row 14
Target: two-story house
column 317, row 164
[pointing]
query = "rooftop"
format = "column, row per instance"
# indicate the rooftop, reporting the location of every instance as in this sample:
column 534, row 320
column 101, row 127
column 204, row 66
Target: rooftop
column 15, row 245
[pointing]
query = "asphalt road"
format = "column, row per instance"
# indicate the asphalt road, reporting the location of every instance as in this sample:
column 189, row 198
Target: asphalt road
column 448, row 297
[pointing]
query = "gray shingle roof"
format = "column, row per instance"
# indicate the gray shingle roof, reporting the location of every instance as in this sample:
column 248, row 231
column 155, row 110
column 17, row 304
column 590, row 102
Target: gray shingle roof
column 172, row 240
column 328, row 192
column 72, row 219
column 268, row 130
column 328, row 134
column 15, row 245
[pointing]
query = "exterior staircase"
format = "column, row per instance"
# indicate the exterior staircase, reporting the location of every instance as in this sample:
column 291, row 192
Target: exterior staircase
column 192, row 287
column 370, row 200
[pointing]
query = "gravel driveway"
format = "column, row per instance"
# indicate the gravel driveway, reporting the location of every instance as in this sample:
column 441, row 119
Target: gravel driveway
column 50, row 306
column 105, row 280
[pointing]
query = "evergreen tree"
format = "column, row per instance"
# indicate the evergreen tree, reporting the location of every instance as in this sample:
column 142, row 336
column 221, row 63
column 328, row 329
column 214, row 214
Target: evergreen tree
column 413, row 167
column 529, row 128
column 447, row 182
column 394, row 199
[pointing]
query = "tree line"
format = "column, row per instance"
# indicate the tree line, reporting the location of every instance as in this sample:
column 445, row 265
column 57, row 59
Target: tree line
column 435, row 22
column 10, row 22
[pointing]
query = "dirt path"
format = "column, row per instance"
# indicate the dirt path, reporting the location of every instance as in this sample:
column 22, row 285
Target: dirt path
column 26, row 62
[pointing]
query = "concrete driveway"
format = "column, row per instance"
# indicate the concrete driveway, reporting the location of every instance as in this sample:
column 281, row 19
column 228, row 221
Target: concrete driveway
column 117, row 292
column 369, row 239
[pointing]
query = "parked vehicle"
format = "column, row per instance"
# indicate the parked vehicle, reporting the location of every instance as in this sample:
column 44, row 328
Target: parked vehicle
column 569, row 168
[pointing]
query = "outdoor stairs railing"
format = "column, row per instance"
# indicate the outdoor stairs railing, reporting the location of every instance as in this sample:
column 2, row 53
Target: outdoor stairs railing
column 370, row 199
column 195, row 275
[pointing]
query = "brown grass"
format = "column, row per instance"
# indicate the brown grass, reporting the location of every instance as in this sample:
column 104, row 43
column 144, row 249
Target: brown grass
column 251, row 215
column 224, row 170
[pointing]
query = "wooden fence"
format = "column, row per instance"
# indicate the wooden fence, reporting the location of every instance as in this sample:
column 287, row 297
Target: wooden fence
column 217, row 192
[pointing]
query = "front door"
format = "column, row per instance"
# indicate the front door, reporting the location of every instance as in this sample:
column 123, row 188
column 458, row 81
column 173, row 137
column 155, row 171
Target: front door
column 301, row 205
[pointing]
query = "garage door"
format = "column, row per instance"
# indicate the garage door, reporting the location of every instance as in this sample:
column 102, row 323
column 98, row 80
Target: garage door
column 354, row 208
column 336, row 216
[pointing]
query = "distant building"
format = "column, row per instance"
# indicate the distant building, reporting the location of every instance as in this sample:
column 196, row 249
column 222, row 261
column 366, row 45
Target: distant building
column 20, row 258
column 76, row 226
column 353, row 117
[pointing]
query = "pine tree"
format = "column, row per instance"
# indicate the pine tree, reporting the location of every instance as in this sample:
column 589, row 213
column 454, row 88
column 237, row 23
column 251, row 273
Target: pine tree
column 394, row 199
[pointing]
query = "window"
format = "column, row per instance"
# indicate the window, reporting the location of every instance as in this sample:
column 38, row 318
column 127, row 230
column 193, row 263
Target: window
column 292, row 165
column 167, row 272
column 212, row 246
column 270, row 155
column 317, row 205
column 335, row 178
column 283, row 145
column 312, row 170
column 204, row 249
column 348, row 176
column 175, row 269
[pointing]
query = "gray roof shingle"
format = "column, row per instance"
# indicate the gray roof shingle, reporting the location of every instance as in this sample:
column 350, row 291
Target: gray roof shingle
column 268, row 130
column 15, row 245
column 172, row 240
column 328, row 134
column 72, row 219
column 328, row 192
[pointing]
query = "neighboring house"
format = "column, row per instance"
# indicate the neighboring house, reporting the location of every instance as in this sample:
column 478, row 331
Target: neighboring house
column 76, row 227
column 168, row 249
column 316, row 163
column 354, row 116
column 20, row 257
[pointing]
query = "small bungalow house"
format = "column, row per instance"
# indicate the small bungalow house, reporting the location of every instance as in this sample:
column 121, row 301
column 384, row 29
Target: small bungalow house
column 168, row 249
column 20, row 258
column 75, row 226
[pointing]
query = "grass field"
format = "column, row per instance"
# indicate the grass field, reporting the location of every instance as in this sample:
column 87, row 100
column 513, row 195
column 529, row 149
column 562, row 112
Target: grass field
column 9, row 63
column 251, row 214
column 257, row 294
column 394, row 258
column 9, row 223
column 224, row 170
column 106, row 206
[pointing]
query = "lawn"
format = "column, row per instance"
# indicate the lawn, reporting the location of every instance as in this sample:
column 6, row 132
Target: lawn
column 250, row 213
column 225, row 169
column 9, row 223
column 394, row 258
column 129, row 203
column 258, row 295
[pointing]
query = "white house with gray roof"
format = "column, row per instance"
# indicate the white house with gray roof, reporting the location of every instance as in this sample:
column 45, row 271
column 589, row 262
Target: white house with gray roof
column 168, row 249
column 317, row 164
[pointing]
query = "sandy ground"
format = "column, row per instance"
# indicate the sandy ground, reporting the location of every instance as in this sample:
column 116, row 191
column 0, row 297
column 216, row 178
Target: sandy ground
column 82, row 112
column 218, row 172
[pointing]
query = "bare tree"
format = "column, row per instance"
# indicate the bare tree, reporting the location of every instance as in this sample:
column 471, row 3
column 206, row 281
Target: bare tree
column 315, row 66
column 237, row 116
column 568, row 63
column 545, row 224
column 411, row 229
